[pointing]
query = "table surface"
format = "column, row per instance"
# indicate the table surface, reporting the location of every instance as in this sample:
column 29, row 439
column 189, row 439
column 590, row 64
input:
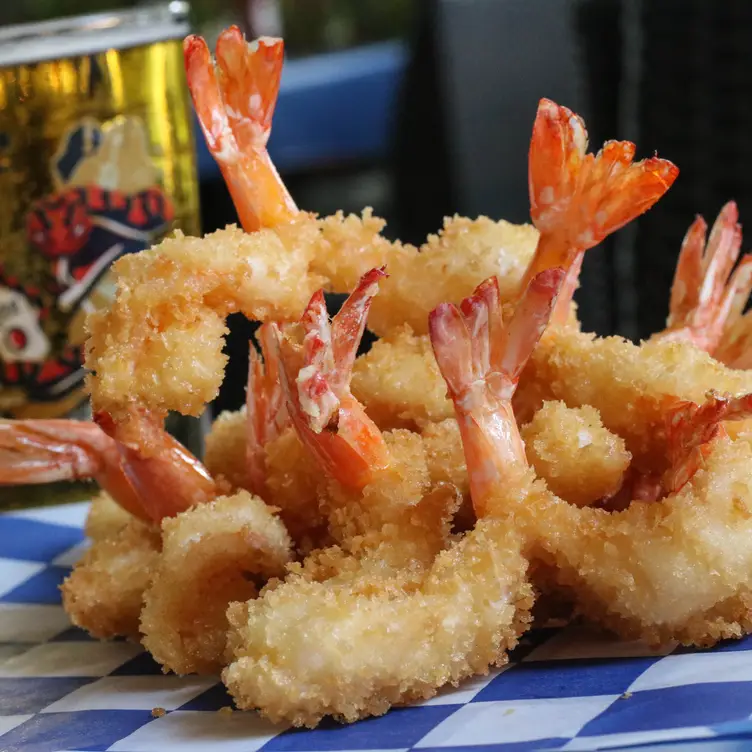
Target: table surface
column 568, row 689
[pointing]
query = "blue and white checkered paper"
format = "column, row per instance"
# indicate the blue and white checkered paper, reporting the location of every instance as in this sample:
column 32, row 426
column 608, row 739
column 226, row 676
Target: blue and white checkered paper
column 568, row 689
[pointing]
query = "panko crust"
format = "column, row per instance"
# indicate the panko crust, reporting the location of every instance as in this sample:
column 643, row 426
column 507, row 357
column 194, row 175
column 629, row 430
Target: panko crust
column 225, row 448
column 106, row 518
column 580, row 460
column 630, row 386
column 399, row 383
column 167, row 318
column 448, row 267
column 212, row 555
column 352, row 647
column 676, row 569
column 104, row 592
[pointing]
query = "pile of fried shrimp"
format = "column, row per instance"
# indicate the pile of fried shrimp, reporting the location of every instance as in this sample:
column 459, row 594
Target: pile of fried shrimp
column 370, row 528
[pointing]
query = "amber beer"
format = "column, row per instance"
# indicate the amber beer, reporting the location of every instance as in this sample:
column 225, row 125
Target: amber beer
column 96, row 160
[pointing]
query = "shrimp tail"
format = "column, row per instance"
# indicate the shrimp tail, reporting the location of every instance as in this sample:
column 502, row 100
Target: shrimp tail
column 266, row 411
column 315, row 375
column 577, row 199
column 691, row 429
column 46, row 451
column 706, row 297
column 234, row 102
column 481, row 361
column 163, row 477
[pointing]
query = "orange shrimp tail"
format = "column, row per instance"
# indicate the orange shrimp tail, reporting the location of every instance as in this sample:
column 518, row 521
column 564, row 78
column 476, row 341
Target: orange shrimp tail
column 36, row 451
column 234, row 103
column 706, row 298
column 315, row 376
column 266, row 412
column 481, row 362
column 577, row 199
column 164, row 478
column 46, row 451
column 691, row 429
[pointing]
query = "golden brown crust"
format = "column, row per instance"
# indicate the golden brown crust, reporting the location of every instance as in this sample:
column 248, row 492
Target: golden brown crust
column 106, row 518
column 580, row 460
column 675, row 569
column 365, row 640
column 104, row 592
column 212, row 555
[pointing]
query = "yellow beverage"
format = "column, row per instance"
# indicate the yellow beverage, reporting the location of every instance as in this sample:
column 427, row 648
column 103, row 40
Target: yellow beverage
column 96, row 160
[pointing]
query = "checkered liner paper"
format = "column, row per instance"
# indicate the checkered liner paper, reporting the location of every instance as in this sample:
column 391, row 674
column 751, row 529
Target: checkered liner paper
column 568, row 689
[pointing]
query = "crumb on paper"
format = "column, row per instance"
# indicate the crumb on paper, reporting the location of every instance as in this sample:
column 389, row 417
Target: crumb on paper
column 157, row 712
column 226, row 710
column 626, row 696
column 509, row 711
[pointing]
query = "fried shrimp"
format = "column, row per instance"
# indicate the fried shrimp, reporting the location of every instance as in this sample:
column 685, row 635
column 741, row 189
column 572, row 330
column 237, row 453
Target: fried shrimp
column 449, row 266
column 629, row 385
column 143, row 482
column 577, row 200
column 212, row 555
column 104, row 592
column 168, row 315
column 417, row 629
column 106, row 517
column 580, row 460
column 676, row 568
column 398, row 382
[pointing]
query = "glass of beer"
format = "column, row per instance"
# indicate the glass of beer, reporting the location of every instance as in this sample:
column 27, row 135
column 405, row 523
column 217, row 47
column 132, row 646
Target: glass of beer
column 97, row 160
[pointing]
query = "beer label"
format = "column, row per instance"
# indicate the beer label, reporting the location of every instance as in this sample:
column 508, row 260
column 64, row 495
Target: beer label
column 107, row 202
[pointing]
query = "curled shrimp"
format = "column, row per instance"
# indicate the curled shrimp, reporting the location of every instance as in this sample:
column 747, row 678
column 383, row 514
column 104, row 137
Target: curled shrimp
column 142, row 469
column 706, row 298
column 676, row 568
column 368, row 476
column 577, row 199
column 425, row 624
column 630, row 386
column 211, row 555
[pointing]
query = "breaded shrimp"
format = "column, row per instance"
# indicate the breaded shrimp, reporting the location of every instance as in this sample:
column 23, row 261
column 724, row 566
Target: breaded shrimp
column 398, row 381
column 449, row 266
column 577, row 199
column 104, row 593
column 167, row 316
column 211, row 555
column 106, row 517
column 353, row 645
column 673, row 569
column 225, row 447
column 415, row 629
column 580, row 460
column 628, row 384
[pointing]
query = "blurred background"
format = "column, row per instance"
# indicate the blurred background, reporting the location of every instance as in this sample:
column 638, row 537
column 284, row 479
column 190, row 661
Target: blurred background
column 423, row 108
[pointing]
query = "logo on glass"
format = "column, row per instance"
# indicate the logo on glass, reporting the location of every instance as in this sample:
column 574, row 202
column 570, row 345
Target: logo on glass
column 107, row 203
